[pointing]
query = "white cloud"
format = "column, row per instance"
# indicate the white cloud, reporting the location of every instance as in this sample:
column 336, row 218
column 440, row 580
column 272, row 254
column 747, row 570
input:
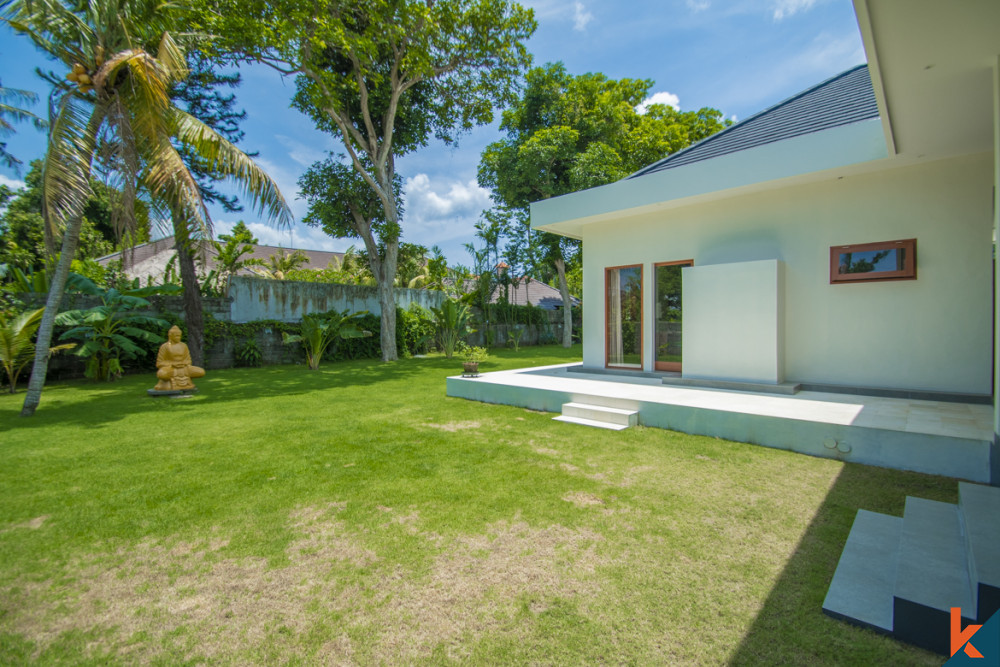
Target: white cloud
column 581, row 17
column 298, row 236
column 440, row 209
column 562, row 10
column 11, row 183
column 300, row 153
column 786, row 8
column 662, row 97
column 697, row 5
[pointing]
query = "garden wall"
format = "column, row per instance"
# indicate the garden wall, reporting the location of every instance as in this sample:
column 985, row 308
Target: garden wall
column 261, row 299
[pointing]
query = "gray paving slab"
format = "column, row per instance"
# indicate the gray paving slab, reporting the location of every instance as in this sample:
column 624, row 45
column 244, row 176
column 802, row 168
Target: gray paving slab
column 980, row 506
column 933, row 568
column 862, row 586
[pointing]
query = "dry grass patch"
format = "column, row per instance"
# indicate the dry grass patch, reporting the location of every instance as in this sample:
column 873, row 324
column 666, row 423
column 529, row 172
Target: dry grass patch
column 473, row 588
column 33, row 524
column 154, row 588
column 581, row 499
column 452, row 427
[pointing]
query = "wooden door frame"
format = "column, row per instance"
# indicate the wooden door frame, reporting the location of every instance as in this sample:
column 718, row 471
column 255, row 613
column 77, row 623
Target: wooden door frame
column 674, row 366
column 642, row 319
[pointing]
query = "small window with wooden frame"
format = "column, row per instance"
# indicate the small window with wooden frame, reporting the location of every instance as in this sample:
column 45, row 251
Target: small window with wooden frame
column 871, row 262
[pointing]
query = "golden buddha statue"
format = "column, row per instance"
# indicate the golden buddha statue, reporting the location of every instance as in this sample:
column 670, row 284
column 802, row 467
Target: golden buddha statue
column 173, row 365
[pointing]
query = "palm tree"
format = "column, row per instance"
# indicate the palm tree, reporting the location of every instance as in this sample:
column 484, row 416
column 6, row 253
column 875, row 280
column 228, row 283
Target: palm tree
column 280, row 263
column 115, row 108
column 11, row 100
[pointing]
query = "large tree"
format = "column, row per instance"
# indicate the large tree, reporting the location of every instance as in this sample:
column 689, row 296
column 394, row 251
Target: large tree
column 384, row 76
column 568, row 133
column 115, row 109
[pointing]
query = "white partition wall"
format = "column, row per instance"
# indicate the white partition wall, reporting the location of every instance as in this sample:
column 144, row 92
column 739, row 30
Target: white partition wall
column 733, row 321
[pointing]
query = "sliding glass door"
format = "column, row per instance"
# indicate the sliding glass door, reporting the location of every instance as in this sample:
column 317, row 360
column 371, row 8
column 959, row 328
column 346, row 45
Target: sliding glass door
column 669, row 314
column 623, row 316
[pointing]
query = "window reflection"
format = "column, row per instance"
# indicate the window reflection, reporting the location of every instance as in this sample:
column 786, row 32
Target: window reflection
column 624, row 316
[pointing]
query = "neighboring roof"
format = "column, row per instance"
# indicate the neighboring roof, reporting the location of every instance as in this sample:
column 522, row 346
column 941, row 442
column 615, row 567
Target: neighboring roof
column 844, row 99
column 530, row 291
column 151, row 258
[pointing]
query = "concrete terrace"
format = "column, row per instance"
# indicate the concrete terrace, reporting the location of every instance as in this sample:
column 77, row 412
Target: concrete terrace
column 935, row 437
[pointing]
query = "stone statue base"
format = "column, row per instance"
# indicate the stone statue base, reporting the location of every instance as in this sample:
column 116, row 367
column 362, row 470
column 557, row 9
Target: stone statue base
column 172, row 392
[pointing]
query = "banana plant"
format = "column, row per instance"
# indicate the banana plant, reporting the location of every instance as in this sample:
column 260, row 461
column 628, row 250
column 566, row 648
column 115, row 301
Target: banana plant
column 452, row 320
column 319, row 331
column 109, row 332
column 17, row 346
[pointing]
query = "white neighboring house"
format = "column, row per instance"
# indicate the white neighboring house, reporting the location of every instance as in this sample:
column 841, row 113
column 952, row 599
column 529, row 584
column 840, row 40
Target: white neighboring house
column 744, row 257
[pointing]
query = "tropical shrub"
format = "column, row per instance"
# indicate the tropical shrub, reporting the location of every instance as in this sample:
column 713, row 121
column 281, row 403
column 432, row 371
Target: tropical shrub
column 247, row 354
column 17, row 346
column 452, row 321
column 320, row 330
column 112, row 331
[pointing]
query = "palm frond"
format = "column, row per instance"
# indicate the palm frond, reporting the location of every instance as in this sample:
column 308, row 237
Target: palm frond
column 225, row 159
column 66, row 167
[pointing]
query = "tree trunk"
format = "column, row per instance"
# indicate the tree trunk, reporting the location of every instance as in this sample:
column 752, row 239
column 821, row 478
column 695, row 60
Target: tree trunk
column 193, row 317
column 57, row 285
column 567, row 338
column 387, row 301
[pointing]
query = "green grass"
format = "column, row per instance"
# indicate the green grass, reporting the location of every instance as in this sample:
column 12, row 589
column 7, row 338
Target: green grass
column 358, row 515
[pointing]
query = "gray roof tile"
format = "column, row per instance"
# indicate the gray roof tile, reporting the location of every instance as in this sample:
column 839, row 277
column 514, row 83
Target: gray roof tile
column 844, row 99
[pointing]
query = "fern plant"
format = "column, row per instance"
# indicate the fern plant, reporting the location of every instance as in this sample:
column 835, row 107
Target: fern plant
column 319, row 331
column 17, row 346
column 452, row 321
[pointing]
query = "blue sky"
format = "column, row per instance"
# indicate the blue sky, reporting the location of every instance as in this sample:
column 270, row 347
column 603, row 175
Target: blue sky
column 739, row 56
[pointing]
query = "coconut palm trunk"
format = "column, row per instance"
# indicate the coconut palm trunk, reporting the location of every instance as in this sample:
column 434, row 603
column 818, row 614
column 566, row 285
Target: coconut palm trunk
column 40, row 367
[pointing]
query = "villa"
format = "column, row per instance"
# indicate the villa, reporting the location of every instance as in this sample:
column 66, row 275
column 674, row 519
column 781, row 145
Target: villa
column 820, row 277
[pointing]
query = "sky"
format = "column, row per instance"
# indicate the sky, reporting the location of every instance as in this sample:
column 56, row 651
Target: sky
column 738, row 56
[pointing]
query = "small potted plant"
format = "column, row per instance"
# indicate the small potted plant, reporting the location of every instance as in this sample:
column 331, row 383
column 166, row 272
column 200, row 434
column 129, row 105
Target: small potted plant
column 473, row 356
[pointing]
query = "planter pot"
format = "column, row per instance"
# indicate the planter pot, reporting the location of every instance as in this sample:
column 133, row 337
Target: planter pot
column 470, row 368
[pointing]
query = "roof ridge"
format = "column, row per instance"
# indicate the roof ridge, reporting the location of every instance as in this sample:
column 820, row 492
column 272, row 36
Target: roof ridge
column 746, row 121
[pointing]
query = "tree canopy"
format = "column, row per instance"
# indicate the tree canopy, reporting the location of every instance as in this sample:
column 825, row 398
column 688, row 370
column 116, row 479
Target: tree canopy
column 569, row 133
column 385, row 76
column 572, row 132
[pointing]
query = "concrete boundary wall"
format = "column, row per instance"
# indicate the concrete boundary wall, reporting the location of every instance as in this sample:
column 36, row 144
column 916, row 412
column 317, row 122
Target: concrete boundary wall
column 261, row 299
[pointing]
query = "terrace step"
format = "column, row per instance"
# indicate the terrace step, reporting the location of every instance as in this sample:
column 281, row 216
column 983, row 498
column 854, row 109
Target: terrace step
column 932, row 576
column 903, row 576
column 862, row 586
column 980, row 508
column 590, row 422
column 601, row 413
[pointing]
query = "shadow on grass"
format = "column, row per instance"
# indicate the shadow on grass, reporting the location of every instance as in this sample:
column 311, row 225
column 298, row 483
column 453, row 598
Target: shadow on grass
column 791, row 628
column 108, row 403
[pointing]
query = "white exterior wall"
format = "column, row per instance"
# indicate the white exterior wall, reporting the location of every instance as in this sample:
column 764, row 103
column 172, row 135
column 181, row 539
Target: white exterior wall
column 734, row 307
column 933, row 333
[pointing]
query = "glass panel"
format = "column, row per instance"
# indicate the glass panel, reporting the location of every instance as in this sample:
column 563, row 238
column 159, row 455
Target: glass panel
column 668, row 316
column 624, row 317
column 872, row 261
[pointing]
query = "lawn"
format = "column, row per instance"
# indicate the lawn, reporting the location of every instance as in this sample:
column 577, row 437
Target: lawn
column 358, row 515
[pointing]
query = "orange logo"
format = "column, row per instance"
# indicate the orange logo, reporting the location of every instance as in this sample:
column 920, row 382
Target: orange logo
column 961, row 637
